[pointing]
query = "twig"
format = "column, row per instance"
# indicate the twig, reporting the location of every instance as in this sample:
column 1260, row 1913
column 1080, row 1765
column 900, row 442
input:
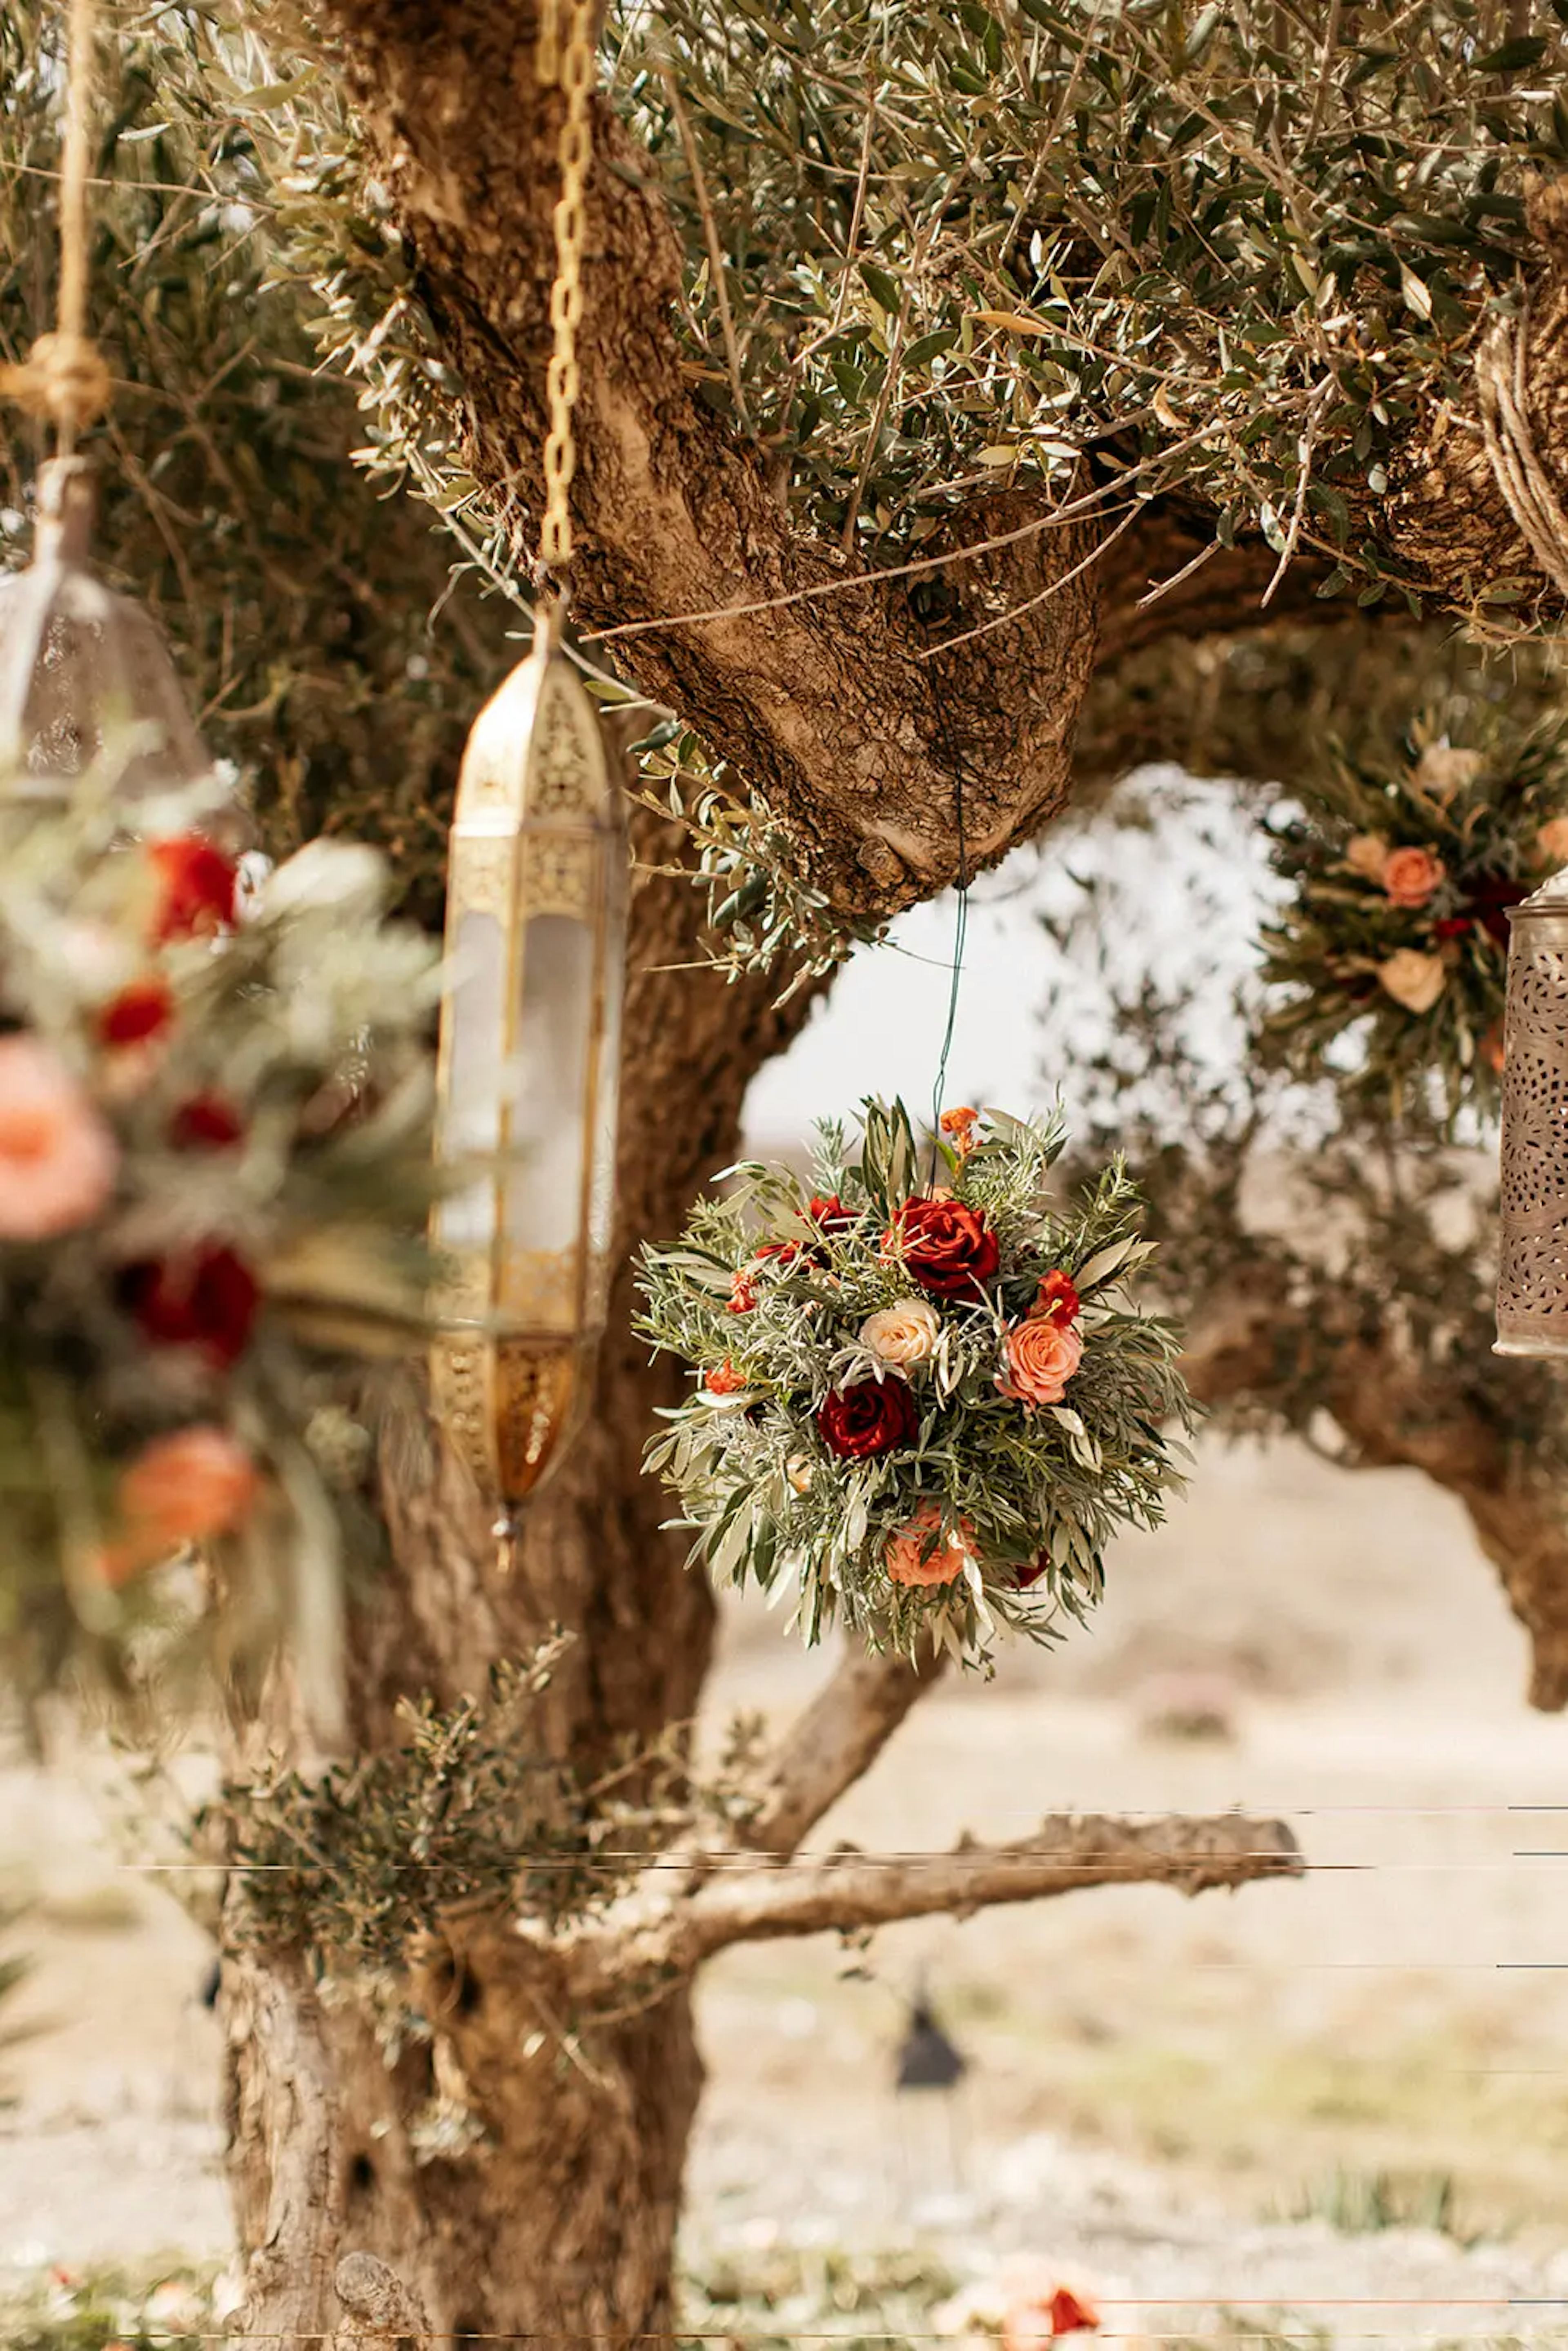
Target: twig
column 1017, row 611
column 858, row 213
column 715, row 252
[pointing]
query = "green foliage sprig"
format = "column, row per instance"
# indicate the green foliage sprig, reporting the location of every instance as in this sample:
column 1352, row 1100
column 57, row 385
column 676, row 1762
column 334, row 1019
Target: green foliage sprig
column 214, row 1170
column 1389, row 960
column 475, row 1808
column 927, row 1412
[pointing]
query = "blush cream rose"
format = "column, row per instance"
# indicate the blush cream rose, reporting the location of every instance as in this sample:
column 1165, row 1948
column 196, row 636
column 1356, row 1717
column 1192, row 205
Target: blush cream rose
column 904, row 1335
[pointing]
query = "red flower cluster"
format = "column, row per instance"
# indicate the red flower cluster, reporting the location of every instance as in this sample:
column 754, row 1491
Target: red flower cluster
column 1058, row 1301
column 206, row 1123
column 142, row 1010
column 208, row 1300
column 724, row 1380
column 197, row 884
column 871, row 1418
column 948, row 1249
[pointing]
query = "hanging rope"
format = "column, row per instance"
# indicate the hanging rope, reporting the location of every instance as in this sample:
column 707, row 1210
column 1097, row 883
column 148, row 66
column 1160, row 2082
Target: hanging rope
column 569, row 65
column 1528, row 490
column 64, row 376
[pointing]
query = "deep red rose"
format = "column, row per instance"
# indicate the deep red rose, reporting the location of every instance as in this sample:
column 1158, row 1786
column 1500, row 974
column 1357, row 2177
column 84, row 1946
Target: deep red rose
column 208, row 1300
column 873, row 1416
column 206, row 1123
column 1029, row 1575
column 1487, row 901
column 947, row 1248
column 197, row 882
column 1058, row 1301
column 142, row 1010
column 1452, row 926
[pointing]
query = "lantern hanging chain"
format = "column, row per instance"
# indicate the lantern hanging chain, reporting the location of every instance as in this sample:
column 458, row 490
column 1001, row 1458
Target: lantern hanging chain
column 961, row 926
column 566, row 63
column 64, row 376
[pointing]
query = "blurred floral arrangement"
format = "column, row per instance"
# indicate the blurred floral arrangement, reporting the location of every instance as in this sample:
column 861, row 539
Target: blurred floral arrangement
column 1402, row 874
column 214, row 1118
column 928, row 1405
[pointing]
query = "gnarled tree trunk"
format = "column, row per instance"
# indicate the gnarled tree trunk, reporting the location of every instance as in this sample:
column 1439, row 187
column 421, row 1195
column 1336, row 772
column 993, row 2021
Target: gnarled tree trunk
column 558, row 2218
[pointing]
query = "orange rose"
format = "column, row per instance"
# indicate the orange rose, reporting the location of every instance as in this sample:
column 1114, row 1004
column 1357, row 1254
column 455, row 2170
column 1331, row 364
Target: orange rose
column 192, row 1483
column 1411, row 875
column 1551, row 841
column 921, row 1554
column 1041, row 1357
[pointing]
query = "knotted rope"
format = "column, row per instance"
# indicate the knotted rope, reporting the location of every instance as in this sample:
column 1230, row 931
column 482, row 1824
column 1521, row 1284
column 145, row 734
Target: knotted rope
column 64, row 376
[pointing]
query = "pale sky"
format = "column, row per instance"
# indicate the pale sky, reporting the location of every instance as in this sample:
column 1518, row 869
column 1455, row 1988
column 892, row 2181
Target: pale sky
column 1179, row 898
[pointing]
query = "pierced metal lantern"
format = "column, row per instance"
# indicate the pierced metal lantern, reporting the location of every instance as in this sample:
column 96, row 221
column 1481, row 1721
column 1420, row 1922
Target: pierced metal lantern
column 528, row 1075
column 1532, row 1270
column 80, row 666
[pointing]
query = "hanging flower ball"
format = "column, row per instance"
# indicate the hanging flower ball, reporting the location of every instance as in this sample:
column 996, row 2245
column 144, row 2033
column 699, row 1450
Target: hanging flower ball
column 873, row 1455
column 208, row 1300
column 948, row 1247
column 870, row 1417
column 196, row 888
column 59, row 1160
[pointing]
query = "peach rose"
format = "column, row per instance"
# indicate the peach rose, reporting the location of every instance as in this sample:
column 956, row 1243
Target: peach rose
column 913, row 1558
column 194, row 1482
column 1366, row 853
column 1041, row 1357
column 1410, row 875
column 57, row 1157
column 1443, row 769
column 904, row 1334
column 1551, row 841
column 1412, row 979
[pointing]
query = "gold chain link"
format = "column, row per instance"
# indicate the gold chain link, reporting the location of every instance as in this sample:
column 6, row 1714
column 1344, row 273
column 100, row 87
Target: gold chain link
column 569, row 65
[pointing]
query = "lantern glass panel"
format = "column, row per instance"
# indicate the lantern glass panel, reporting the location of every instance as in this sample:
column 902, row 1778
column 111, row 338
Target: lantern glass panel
column 477, row 1048
column 551, row 1131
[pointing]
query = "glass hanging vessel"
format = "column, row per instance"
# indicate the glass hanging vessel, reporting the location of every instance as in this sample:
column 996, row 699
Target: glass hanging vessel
column 529, row 1074
column 83, row 669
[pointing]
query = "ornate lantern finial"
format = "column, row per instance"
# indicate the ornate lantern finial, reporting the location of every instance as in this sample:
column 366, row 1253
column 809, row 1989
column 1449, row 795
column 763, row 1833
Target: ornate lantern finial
column 80, row 665
column 528, row 1073
column 1532, row 1268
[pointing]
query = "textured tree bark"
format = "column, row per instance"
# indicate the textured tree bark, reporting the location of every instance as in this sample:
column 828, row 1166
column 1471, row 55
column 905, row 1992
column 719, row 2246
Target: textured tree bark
column 559, row 2219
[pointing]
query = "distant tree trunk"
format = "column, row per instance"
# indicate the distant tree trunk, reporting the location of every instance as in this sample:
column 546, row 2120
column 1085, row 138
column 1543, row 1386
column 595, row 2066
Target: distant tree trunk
column 559, row 2220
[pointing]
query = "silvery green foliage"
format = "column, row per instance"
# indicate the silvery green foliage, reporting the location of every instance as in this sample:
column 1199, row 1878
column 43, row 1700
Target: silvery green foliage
column 765, row 1499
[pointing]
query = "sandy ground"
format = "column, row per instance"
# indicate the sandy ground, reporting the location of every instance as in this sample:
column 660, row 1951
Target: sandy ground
column 1180, row 2099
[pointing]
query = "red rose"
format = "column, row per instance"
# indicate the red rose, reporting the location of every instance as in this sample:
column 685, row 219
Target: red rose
column 197, row 882
column 873, row 1416
column 1026, row 1576
column 208, row 1301
column 947, row 1248
column 1058, row 1301
column 142, row 1010
column 206, row 1123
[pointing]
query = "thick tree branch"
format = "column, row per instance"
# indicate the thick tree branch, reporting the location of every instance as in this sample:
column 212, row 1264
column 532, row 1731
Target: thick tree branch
column 833, row 1744
column 830, row 706
column 654, row 1937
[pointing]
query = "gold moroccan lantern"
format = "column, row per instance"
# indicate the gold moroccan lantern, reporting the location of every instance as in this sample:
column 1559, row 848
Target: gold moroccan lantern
column 1532, row 1267
column 535, row 925
column 528, row 1073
